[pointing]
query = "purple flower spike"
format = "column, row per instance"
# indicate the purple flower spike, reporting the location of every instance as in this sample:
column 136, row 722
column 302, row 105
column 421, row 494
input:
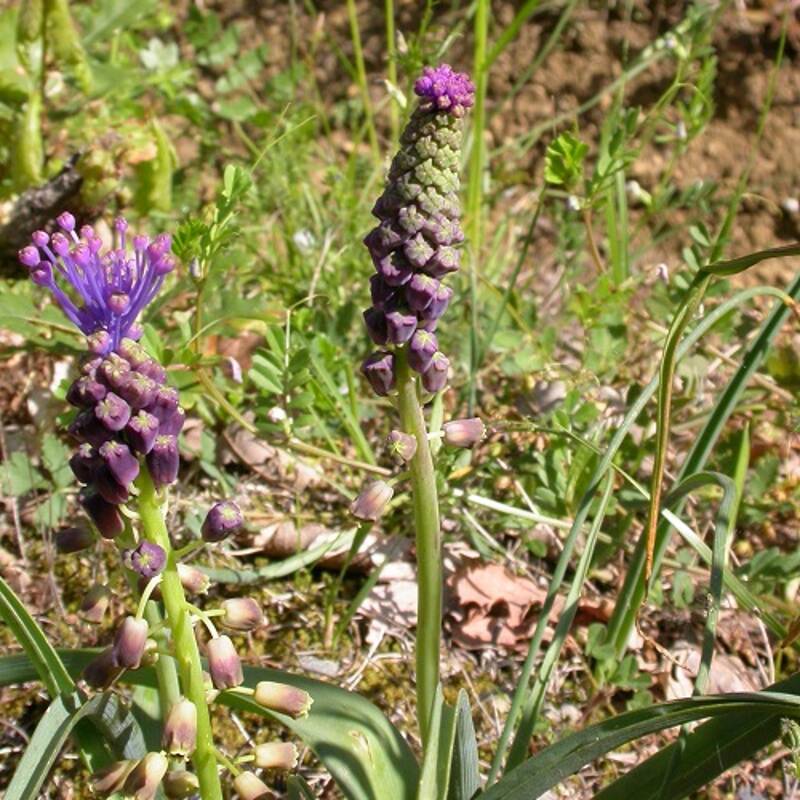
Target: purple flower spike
column 141, row 432
column 421, row 349
column 444, row 89
column 122, row 464
column 434, row 379
column 378, row 369
column 147, row 559
column 400, row 326
column 103, row 514
column 223, row 519
column 106, row 291
column 163, row 460
column 113, row 412
column 375, row 320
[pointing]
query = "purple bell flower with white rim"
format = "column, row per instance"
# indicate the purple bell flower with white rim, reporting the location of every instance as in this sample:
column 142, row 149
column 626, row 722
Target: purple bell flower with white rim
column 241, row 614
column 275, row 755
column 121, row 463
column 421, row 349
column 95, row 603
column 104, row 515
column 222, row 520
column 113, row 412
column 129, row 642
column 141, row 432
column 250, row 787
column 85, row 462
column 402, row 446
column 146, row 559
column 102, row 670
column 180, row 728
column 372, row 501
column 378, row 369
column 434, row 379
column 163, row 460
column 105, row 290
column 144, row 779
column 463, row 432
column 224, row 663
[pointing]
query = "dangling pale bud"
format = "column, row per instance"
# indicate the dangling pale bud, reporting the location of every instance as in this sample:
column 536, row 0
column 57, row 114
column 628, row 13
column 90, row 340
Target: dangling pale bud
column 111, row 779
column 241, row 614
column 129, row 642
column 180, row 783
column 180, row 728
column 193, row 580
column 372, row 502
column 402, row 446
column 464, row 432
column 145, row 778
column 275, row 755
column 224, row 663
column 251, row 787
column 103, row 670
column 283, row 698
column 95, row 603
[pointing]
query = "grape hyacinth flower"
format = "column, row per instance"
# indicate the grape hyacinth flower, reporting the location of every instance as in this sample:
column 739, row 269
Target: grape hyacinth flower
column 112, row 287
column 414, row 246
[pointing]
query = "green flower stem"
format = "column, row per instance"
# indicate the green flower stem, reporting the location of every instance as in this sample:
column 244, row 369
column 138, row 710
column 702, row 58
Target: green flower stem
column 178, row 616
column 429, row 556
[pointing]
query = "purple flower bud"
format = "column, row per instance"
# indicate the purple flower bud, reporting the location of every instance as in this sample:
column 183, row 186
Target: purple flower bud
column 99, row 342
column 180, row 728
column 275, row 755
column 444, row 261
column 418, row 251
column 85, row 392
column 224, row 663
column 394, row 269
column 104, row 515
column 421, row 291
column 382, row 240
column 40, row 238
column 132, row 352
column 137, row 390
column 193, row 580
column 87, row 428
column 438, row 305
column 145, row 778
column 103, row 670
column 85, row 463
column 180, row 783
column 109, row 488
column 95, row 603
column 42, row 275
column 113, row 412
column 382, row 294
column 463, row 432
column 147, row 559
column 129, row 642
column 119, row 302
column 90, row 366
column 402, row 446
column 421, row 349
column 153, row 370
column 400, row 326
column 283, row 698
column 250, row 787
column 122, row 464
column 172, row 424
column 141, row 432
column 73, row 540
column 434, row 379
column 109, row 780
column 28, row 256
column 163, row 460
column 375, row 320
column 113, row 370
column 164, row 403
column 378, row 369
column 66, row 221
column 223, row 519
column 372, row 501
column 241, row 614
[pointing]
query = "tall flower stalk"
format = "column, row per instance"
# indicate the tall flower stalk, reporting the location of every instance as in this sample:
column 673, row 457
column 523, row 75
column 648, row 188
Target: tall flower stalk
column 127, row 425
column 414, row 248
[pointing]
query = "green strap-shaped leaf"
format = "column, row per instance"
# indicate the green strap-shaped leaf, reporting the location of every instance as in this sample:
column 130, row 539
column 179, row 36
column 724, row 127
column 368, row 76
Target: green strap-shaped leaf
column 58, row 722
column 298, row 789
column 734, row 265
column 365, row 753
column 465, row 779
column 712, row 748
column 549, row 767
column 435, row 776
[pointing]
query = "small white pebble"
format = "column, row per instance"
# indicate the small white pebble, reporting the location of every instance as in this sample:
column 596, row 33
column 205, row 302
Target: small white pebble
column 791, row 205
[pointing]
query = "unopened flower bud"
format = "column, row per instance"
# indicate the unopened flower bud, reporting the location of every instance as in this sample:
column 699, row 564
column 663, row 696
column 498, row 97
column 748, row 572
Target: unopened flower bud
column 241, row 614
column 103, row 670
column 434, row 379
column 122, row 464
column 132, row 352
column 180, row 783
column 180, row 728
column 113, row 412
column 73, row 540
column 464, row 432
column 141, row 432
column 163, row 460
column 111, row 779
column 193, row 580
column 378, row 369
column 250, row 787
column 372, row 502
column 85, row 462
column 95, row 603
column 103, row 514
column 109, row 488
column 224, row 663
column 153, row 370
column 283, row 698
column 421, row 349
column 129, row 642
column 223, row 519
column 275, row 755
column 85, row 392
column 147, row 559
column 145, row 777
column 402, row 446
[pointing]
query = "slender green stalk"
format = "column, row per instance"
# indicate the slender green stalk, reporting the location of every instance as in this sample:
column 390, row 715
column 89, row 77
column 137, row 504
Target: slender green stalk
column 429, row 556
column 474, row 187
column 361, row 75
column 187, row 654
column 391, row 71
